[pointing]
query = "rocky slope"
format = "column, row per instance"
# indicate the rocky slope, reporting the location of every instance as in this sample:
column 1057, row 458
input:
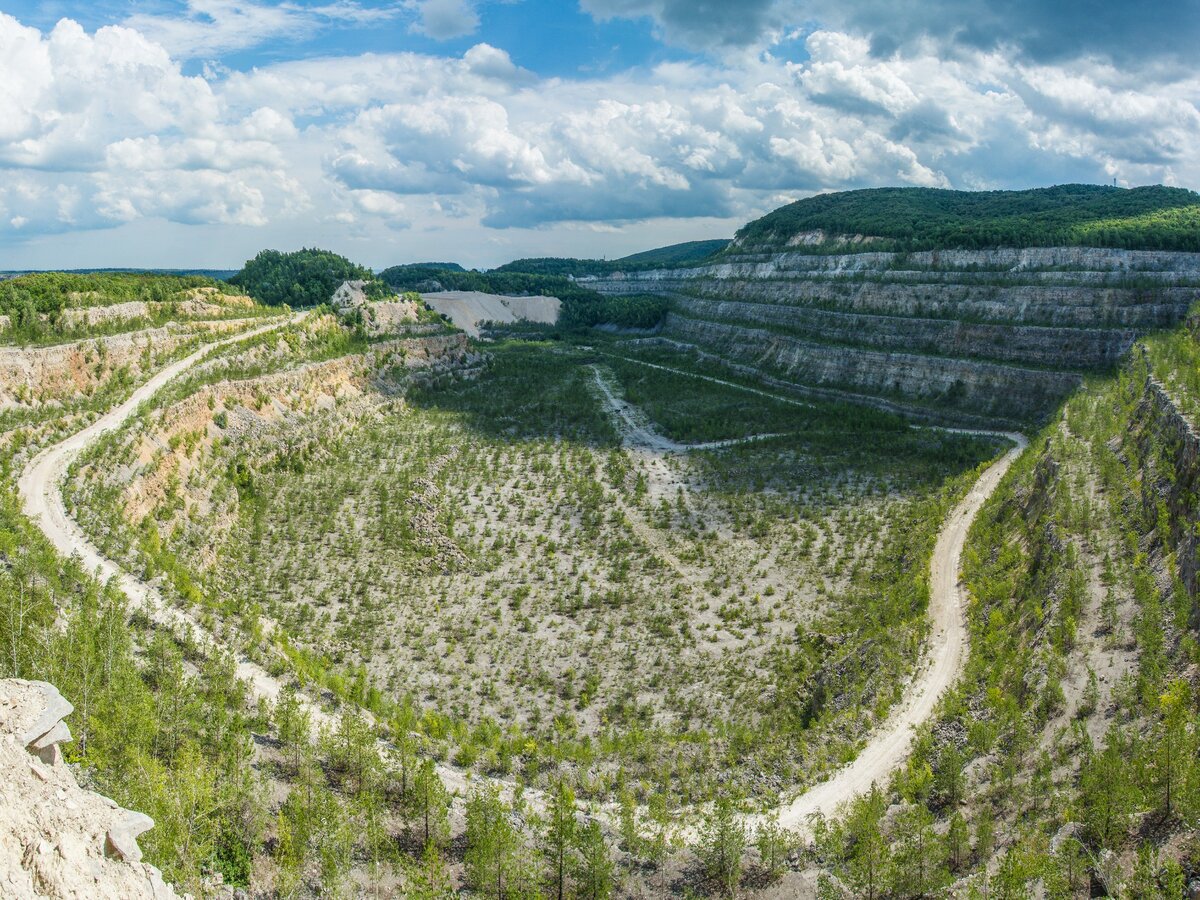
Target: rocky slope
column 1005, row 334
column 58, row 373
column 56, row 839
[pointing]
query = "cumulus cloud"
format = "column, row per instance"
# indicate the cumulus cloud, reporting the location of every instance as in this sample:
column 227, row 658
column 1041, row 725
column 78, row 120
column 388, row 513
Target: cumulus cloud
column 99, row 129
column 698, row 23
column 211, row 27
column 1129, row 31
column 103, row 129
column 445, row 19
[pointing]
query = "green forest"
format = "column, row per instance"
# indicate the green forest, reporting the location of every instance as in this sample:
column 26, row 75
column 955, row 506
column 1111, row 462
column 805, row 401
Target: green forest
column 582, row 307
column 306, row 277
column 1144, row 218
column 689, row 253
column 48, row 293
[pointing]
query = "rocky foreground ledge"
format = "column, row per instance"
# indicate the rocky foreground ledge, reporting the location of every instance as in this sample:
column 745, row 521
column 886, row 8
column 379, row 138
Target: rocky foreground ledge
column 56, row 839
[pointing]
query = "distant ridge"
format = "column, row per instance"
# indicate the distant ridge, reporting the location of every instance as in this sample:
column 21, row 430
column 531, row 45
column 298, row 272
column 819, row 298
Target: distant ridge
column 219, row 274
column 1143, row 218
column 445, row 266
column 685, row 254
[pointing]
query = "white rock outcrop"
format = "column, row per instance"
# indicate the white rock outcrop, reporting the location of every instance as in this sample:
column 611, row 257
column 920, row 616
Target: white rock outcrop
column 350, row 295
column 56, row 839
column 380, row 317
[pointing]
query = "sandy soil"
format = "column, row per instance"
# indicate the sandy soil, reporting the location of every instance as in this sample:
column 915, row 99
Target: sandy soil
column 466, row 309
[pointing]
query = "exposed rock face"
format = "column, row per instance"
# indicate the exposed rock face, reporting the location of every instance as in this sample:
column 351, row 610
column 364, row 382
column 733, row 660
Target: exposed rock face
column 1039, row 345
column 56, row 839
column 1000, row 393
column 1165, row 447
column 350, row 295
column 388, row 317
column 37, row 375
column 198, row 303
column 468, row 309
column 384, row 317
column 1000, row 333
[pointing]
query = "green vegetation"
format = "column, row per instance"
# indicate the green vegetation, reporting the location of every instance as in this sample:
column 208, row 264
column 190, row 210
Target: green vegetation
column 691, row 253
column 582, row 307
column 1145, row 218
column 1076, row 716
column 53, row 307
column 687, row 253
column 485, row 567
column 636, row 311
column 465, row 520
column 303, row 278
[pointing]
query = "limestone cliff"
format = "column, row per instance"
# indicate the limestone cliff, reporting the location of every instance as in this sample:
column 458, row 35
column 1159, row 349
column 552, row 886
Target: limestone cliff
column 1003, row 333
column 56, row 839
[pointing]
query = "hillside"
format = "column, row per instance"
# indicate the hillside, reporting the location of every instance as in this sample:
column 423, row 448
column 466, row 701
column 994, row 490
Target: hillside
column 951, row 334
column 354, row 609
column 57, row 307
column 302, row 278
column 1144, row 218
column 684, row 254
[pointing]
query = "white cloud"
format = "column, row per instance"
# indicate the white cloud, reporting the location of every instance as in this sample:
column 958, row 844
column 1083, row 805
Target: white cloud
column 97, row 130
column 212, row 27
column 445, row 19
column 487, row 61
column 100, row 129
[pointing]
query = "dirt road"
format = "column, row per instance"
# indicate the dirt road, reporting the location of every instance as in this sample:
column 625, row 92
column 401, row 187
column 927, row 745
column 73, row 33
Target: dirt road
column 942, row 659
column 945, row 651
column 40, row 489
column 41, row 495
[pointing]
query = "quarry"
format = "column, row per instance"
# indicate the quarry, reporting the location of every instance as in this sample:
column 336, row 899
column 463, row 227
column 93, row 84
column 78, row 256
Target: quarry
column 812, row 566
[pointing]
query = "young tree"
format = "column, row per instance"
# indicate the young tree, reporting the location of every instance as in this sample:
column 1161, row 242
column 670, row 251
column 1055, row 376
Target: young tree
column 774, row 843
column 491, row 842
column 919, row 863
column 350, row 750
column 293, row 724
column 1176, row 745
column 1107, row 792
column 561, row 828
column 661, row 842
column 631, row 837
column 722, row 844
column 431, row 804
column 958, row 841
column 594, row 875
column 869, row 855
column 430, row 879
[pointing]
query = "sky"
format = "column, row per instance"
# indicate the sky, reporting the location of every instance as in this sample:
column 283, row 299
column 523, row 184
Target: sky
column 193, row 133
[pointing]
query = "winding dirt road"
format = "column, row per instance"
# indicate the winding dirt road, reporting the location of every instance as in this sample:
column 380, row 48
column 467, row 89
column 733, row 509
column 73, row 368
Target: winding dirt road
column 40, row 489
column 941, row 663
column 944, row 653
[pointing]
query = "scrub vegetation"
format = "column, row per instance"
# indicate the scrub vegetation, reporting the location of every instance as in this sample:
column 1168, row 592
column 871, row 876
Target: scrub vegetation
column 577, row 616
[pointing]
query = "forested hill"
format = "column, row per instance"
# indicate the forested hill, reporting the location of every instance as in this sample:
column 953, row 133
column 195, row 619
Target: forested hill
column 685, row 254
column 1144, row 218
column 581, row 307
column 306, row 277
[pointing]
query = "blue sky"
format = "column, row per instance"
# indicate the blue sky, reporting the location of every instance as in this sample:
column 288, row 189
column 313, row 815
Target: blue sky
column 194, row 133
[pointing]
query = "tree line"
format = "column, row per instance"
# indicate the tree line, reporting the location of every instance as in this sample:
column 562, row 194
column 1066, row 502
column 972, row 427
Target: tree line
column 306, row 277
column 1155, row 217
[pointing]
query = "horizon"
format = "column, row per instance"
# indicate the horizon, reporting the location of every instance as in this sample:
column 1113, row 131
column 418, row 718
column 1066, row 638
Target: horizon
column 190, row 134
